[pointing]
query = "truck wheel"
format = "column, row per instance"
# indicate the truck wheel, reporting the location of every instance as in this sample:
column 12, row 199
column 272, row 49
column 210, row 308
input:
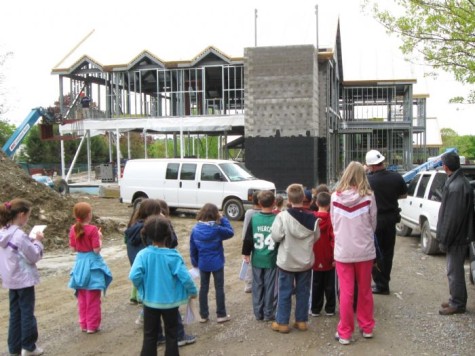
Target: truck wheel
column 233, row 209
column 429, row 245
column 403, row 230
column 61, row 186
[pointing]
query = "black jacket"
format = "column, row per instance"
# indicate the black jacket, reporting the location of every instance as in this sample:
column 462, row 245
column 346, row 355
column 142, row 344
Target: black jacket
column 455, row 224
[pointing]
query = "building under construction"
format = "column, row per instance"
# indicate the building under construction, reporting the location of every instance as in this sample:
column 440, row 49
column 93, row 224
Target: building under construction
column 288, row 108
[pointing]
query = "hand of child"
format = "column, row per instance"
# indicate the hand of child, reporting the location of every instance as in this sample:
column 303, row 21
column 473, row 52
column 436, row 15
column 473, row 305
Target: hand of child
column 246, row 259
column 39, row 236
column 100, row 233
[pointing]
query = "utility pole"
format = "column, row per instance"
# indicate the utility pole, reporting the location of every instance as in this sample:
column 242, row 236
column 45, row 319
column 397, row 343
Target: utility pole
column 316, row 25
column 255, row 27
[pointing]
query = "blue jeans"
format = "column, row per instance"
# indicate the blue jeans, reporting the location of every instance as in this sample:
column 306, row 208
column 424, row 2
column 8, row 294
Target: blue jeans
column 218, row 277
column 23, row 330
column 302, row 294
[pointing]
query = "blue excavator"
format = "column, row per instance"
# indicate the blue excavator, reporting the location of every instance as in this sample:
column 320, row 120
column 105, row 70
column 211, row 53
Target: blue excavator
column 49, row 117
column 432, row 164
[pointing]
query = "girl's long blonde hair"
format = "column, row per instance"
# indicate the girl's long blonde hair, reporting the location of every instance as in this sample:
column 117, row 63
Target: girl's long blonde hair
column 354, row 177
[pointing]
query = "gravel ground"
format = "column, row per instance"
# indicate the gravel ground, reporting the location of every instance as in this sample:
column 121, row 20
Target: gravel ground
column 407, row 320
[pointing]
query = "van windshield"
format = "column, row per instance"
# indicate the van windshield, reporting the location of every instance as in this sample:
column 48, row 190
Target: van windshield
column 236, row 172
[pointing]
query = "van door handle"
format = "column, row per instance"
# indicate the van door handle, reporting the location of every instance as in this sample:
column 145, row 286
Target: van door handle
column 180, row 184
column 199, row 185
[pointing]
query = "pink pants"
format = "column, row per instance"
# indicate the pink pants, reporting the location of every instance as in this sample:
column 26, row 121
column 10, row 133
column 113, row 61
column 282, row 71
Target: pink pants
column 89, row 307
column 348, row 273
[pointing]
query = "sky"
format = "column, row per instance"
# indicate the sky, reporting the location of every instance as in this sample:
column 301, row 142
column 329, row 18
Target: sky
column 41, row 33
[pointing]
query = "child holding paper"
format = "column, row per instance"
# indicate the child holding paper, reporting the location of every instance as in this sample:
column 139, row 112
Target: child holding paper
column 19, row 274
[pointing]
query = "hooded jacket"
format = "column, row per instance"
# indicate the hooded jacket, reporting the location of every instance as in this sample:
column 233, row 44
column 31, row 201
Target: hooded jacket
column 323, row 248
column 455, row 221
column 136, row 242
column 161, row 278
column 354, row 219
column 18, row 257
column 296, row 240
column 206, row 244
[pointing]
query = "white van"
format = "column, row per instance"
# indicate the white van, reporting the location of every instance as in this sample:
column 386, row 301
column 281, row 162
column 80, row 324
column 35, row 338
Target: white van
column 191, row 183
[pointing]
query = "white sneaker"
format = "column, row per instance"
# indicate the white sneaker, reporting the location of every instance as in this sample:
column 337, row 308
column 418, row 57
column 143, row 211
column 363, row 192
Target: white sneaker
column 35, row 352
column 340, row 340
column 223, row 319
column 139, row 320
column 367, row 335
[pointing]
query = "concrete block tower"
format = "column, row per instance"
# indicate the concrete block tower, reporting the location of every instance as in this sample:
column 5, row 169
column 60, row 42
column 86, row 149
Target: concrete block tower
column 281, row 114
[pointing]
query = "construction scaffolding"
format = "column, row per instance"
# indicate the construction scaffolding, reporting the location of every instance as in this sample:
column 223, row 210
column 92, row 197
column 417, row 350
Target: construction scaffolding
column 379, row 115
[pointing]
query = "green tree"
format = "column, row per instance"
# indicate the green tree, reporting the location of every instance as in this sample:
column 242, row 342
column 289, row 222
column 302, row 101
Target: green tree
column 6, row 130
column 465, row 145
column 45, row 151
column 442, row 31
column 449, row 138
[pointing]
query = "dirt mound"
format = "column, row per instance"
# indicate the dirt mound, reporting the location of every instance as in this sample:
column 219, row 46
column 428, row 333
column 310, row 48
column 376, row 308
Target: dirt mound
column 49, row 207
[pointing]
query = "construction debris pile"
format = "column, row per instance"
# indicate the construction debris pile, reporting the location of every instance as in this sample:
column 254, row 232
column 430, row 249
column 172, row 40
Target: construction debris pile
column 49, row 207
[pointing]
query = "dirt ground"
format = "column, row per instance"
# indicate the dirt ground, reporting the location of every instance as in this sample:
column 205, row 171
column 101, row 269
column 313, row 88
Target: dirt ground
column 407, row 321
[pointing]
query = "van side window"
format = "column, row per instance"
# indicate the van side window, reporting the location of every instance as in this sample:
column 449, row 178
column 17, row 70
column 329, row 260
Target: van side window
column 437, row 186
column 209, row 172
column 188, row 171
column 172, row 171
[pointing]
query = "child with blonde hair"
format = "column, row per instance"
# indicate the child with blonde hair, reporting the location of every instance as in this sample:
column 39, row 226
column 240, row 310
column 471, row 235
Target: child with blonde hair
column 90, row 274
column 353, row 214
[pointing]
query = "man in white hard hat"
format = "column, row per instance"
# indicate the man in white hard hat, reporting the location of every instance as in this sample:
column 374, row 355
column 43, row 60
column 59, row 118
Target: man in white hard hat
column 388, row 187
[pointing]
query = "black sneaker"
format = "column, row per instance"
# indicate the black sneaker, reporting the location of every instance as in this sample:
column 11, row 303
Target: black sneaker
column 187, row 339
column 161, row 340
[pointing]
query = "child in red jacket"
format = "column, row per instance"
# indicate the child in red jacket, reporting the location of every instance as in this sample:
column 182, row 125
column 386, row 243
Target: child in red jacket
column 323, row 284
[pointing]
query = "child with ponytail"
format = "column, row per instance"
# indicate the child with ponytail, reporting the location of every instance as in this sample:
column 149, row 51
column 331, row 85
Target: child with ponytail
column 90, row 274
column 18, row 256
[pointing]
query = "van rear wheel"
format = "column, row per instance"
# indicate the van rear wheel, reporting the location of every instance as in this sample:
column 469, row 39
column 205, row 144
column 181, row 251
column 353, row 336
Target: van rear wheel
column 233, row 209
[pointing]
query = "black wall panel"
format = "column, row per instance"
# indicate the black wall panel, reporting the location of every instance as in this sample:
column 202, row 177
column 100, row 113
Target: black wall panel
column 286, row 160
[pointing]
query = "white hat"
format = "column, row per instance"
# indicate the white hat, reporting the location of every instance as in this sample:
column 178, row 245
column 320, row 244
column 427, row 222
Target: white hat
column 374, row 157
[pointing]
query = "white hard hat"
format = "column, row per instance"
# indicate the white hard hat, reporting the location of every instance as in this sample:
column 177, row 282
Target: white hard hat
column 374, row 157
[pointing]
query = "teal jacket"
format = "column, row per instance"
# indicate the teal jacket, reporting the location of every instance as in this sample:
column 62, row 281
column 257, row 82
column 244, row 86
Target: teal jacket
column 90, row 272
column 161, row 278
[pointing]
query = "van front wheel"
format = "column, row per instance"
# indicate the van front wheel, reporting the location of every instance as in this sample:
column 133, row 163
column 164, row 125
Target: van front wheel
column 233, row 209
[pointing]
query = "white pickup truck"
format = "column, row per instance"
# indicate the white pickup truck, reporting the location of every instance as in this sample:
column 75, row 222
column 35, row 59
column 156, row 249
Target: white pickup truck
column 420, row 210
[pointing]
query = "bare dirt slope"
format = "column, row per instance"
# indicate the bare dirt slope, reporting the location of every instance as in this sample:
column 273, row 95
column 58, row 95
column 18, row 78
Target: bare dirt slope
column 49, row 207
column 407, row 322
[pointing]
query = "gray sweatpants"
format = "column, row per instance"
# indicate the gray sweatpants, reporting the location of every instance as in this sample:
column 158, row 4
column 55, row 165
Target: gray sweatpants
column 456, row 276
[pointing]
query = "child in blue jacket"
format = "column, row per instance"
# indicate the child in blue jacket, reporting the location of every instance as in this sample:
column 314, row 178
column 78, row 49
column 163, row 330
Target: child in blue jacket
column 163, row 283
column 207, row 254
